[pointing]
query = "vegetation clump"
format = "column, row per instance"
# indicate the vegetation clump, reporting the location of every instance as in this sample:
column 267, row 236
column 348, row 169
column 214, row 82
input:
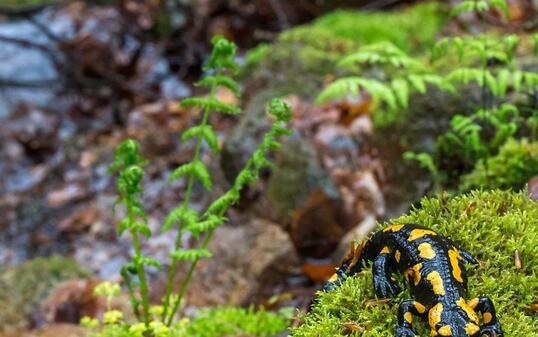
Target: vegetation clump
column 514, row 165
column 162, row 320
column 24, row 286
column 492, row 225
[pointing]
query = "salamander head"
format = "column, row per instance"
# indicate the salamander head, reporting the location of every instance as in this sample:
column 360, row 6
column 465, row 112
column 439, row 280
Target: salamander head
column 454, row 322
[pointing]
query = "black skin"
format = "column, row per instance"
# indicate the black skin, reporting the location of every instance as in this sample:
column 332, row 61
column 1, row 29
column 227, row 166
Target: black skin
column 436, row 276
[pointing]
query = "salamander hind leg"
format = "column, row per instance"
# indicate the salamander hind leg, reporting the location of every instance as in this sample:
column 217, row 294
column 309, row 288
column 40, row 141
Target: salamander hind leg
column 491, row 326
column 406, row 311
column 384, row 286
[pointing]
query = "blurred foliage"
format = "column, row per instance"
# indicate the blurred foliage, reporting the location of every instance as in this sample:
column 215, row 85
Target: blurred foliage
column 514, row 165
column 215, row 322
column 24, row 286
column 489, row 224
column 311, row 51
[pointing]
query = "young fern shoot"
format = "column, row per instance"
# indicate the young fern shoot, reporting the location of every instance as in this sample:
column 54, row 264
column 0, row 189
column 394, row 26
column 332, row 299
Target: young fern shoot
column 129, row 164
column 201, row 224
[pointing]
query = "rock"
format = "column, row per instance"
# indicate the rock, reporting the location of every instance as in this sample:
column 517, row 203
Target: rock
column 24, row 286
column 357, row 234
column 298, row 173
column 247, row 260
column 71, row 300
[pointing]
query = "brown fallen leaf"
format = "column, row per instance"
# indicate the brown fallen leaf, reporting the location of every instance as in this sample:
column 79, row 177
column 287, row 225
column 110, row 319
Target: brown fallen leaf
column 318, row 272
column 351, row 327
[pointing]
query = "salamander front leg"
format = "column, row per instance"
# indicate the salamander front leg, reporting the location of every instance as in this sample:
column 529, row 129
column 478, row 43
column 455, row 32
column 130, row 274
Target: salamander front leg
column 491, row 326
column 383, row 285
column 407, row 309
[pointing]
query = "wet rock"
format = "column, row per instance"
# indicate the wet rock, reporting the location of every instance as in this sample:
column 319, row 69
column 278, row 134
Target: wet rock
column 247, row 260
column 23, row 287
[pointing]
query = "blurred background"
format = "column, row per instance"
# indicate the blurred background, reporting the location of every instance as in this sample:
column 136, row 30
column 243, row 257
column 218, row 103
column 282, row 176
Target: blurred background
column 78, row 77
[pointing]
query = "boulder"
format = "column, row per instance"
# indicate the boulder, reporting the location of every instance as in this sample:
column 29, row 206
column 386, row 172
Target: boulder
column 247, row 261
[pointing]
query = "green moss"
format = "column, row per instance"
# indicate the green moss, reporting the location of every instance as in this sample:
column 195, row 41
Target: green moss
column 311, row 51
column 371, row 27
column 491, row 225
column 516, row 163
column 214, row 322
column 236, row 322
column 24, row 286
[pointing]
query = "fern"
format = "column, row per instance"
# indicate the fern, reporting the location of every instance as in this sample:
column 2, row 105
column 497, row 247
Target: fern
column 402, row 76
column 201, row 225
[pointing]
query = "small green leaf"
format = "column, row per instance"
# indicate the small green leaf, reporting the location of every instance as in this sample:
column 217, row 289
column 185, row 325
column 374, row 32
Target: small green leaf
column 190, row 254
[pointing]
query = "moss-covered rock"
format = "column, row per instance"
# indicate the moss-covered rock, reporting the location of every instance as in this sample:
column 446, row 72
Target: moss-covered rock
column 516, row 163
column 311, row 51
column 24, row 286
column 491, row 225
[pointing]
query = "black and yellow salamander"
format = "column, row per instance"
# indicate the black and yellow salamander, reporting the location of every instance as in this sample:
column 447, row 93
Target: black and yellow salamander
column 434, row 268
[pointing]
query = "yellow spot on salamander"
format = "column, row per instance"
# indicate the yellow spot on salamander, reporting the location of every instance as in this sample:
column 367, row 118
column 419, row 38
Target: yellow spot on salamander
column 437, row 283
column 420, row 308
column 414, row 272
column 385, row 250
column 473, row 303
column 434, row 333
column 454, row 256
column 333, row 278
column 408, row 317
column 434, row 315
column 445, row 330
column 471, row 328
column 470, row 312
column 487, row 317
column 393, row 228
column 426, row 251
column 397, row 255
column 418, row 233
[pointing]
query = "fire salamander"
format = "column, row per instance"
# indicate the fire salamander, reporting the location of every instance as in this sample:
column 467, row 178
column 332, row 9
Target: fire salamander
column 434, row 268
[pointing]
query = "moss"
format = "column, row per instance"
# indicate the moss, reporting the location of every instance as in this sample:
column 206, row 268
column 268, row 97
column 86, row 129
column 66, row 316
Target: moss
column 311, row 51
column 24, row 286
column 215, row 322
column 235, row 322
column 370, row 27
column 516, row 163
column 491, row 225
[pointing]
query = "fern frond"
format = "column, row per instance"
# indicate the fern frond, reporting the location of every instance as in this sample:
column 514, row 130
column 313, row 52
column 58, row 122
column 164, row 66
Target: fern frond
column 211, row 104
column 190, row 254
column 220, row 80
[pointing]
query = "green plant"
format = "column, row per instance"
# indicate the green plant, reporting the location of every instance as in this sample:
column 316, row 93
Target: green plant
column 391, row 76
column 489, row 224
column 215, row 322
column 311, row 51
column 485, row 61
column 514, row 165
column 201, row 224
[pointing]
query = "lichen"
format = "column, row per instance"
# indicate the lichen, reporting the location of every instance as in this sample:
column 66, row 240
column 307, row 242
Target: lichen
column 489, row 224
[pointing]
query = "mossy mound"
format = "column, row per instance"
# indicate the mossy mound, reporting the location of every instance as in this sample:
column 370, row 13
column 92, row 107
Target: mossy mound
column 491, row 225
column 516, row 163
column 214, row 322
column 311, row 51
column 24, row 286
